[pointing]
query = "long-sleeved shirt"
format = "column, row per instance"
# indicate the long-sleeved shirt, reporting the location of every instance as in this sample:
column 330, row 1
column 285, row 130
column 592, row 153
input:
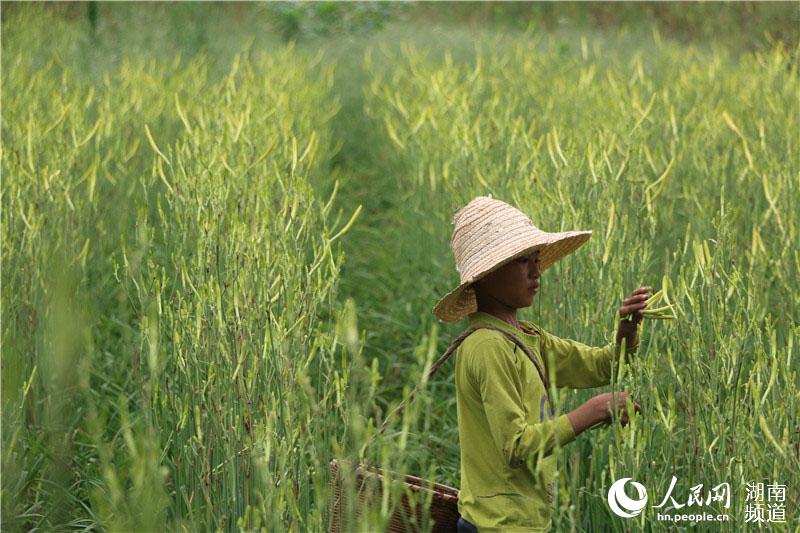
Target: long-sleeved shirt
column 506, row 431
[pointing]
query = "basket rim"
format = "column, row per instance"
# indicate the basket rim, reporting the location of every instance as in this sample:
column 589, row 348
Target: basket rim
column 440, row 489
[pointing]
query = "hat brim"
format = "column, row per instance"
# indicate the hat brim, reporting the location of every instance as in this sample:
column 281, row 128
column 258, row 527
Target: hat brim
column 462, row 302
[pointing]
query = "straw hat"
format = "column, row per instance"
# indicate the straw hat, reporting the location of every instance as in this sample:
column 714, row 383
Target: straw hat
column 488, row 234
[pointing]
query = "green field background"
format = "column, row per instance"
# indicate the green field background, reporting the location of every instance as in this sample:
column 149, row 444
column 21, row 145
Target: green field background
column 224, row 228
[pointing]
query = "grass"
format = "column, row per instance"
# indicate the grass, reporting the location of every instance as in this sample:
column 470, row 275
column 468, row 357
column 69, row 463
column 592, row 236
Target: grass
column 220, row 253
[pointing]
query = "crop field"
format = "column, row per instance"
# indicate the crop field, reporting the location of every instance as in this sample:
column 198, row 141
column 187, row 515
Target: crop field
column 220, row 251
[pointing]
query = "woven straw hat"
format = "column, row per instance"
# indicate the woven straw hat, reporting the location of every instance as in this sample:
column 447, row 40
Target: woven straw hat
column 488, row 234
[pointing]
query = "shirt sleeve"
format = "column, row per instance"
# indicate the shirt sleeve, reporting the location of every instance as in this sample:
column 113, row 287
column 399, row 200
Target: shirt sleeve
column 577, row 365
column 500, row 388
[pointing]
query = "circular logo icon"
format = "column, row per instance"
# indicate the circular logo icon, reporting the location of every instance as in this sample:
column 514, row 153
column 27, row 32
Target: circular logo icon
column 621, row 504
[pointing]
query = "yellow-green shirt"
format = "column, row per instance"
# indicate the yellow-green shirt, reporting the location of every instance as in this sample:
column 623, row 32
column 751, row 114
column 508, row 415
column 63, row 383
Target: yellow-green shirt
column 507, row 434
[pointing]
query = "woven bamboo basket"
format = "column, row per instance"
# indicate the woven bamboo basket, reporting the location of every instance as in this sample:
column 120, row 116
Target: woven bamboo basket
column 443, row 512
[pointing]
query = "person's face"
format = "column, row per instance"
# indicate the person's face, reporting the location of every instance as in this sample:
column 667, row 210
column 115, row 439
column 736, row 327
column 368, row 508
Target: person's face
column 513, row 284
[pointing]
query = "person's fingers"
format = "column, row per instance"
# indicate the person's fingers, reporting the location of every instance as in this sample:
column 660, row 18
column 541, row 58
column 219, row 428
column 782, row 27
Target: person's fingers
column 634, row 298
column 638, row 294
column 642, row 289
column 635, row 303
column 621, row 407
column 628, row 309
column 624, row 405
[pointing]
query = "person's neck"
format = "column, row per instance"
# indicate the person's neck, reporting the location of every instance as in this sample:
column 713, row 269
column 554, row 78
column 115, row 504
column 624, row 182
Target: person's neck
column 502, row 312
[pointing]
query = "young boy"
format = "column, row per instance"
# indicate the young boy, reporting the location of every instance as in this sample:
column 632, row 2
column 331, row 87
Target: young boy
column 506, row 430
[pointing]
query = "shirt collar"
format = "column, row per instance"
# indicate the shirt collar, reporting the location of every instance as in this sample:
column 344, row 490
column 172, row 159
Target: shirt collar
column 482, row 318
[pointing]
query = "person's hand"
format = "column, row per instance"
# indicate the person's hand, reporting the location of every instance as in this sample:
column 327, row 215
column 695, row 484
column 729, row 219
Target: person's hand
column 600, row 410
column 634, row 304
column 610, row 405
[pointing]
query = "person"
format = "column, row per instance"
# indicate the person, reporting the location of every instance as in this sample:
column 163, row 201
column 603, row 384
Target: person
column 507, row 433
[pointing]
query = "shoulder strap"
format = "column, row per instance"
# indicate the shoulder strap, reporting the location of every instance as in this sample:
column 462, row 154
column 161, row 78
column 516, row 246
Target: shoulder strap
column 456, row 343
